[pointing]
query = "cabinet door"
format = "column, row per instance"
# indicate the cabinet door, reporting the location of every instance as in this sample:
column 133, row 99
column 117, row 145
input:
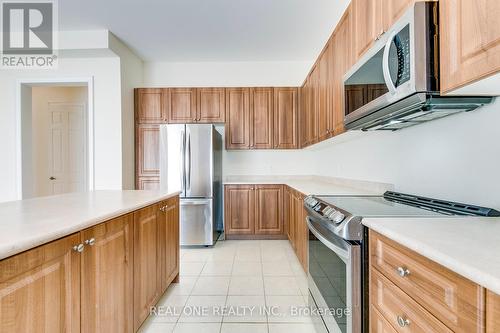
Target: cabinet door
column 392, row 11
column 146, row 261
column 304, row 113
column 269, row 210
column 148, row 151
column 237, row 118
column 107, row 277
column 285, row 118
column 40, row 289
column 311, row 116
column 368, row 24
column 181, row 107
column 291, row 218
column 492, row 312
column 324, row 104
column 301, row 231
column 261, row 123
column 470, row 41
column 211, row 105
column 169, row 241
column 150, row 106
column 343, row 59
column 148, row 183
column 239, row 210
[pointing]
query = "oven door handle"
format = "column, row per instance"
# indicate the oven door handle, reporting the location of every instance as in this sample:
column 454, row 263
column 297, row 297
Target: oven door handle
column 334, row 243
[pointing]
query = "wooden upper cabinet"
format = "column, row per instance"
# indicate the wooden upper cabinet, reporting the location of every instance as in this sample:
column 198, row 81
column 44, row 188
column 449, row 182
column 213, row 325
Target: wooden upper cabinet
column 181, row 105
column 285, row 118
column 261, row 123
column 147, row 151
column 40, row 289
column 107, row 277
column 312, row 124
column 168, row 226
column 239, row 210
column 393, row 9
column 211, row 105
column 150, row 105
column 492, row 312
column 237, row 118
column 269, row 209
column 343, row 60
column 368, row 24
column 324, row 104
column 470, row 41
column 146, row 262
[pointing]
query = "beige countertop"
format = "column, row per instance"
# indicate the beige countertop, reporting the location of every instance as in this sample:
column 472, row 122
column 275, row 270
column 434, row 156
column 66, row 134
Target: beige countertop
column 316, row 185
column 469, row 246
column 25, row 224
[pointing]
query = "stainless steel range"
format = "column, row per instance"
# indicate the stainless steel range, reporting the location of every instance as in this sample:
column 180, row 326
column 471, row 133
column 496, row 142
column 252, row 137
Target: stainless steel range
column 338, row 256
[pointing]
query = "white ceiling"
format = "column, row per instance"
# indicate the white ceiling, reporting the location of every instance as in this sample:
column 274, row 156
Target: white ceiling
column 210, row 30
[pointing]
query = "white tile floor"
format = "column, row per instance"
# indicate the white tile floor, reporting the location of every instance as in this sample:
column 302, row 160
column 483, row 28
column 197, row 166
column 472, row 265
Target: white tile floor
column 242, row 277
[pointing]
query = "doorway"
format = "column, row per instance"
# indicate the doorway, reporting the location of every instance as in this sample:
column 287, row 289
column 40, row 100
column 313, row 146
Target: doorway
column 56, row 139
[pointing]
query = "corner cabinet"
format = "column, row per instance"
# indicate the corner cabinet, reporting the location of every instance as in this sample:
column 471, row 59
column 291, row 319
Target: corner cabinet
column 102, row 279
column 470, row 41
column 286, row 118
column 253, row 211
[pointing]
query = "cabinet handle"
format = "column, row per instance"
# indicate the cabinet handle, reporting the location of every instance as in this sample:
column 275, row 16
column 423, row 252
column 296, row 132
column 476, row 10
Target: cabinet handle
column 78, row 248
column 90, row 242
column 403, row 272
column 403, row 322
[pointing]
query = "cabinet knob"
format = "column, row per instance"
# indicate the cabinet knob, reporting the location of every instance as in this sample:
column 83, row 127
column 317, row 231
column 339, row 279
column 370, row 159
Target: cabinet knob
column 403, row 272
column 403, row 322
column 78, row 248
column 90, row 242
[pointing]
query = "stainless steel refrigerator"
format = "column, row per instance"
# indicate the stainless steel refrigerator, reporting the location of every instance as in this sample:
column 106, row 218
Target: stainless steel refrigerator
column 191, row 161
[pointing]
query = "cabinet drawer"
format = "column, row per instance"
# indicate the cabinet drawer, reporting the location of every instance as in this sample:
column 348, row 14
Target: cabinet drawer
column 456, row 301
column 403, row 313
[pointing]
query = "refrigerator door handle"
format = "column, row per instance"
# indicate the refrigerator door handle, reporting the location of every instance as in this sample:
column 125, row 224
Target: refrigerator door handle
column 183, row 161
column 188, row 162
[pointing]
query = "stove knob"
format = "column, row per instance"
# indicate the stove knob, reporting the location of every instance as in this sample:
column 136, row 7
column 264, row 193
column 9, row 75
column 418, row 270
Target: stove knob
column 338, row 217
column 332, row 214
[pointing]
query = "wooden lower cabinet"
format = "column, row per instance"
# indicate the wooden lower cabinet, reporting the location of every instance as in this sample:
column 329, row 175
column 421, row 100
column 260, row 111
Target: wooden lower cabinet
column 492, row 312
column 253, row 211
column 297, row 230
column 415, row 294
column 146, row 262
column 102, row 279
column 269, row 210
column 107, row 277
column 168, row 226
column 40, row 289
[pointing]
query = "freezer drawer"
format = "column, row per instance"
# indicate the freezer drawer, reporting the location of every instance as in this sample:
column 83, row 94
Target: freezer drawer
column 197, row 227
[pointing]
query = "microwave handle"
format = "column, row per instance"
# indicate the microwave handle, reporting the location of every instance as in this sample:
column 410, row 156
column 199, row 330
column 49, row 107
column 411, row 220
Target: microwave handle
column 385, row 65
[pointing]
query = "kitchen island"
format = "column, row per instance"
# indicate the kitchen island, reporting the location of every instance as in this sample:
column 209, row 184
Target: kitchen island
column 91, row 262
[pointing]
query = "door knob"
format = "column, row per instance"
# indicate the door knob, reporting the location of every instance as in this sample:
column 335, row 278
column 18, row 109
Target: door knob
column 90, row 242
column 52, row 178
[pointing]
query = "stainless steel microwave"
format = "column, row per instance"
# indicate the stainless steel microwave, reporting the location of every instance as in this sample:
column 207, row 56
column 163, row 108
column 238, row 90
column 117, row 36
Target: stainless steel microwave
column 395, row 84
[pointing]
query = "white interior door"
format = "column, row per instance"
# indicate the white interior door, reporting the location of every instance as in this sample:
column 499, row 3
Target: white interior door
column 67, row 148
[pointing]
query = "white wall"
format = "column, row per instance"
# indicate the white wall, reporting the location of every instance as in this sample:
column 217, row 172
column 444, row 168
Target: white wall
column 225, row 74
column 105, row 72
column 131, row 76
column 455, row 158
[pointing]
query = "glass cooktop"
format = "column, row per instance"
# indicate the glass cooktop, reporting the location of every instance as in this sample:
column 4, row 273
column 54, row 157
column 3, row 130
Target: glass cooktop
column 377, row 206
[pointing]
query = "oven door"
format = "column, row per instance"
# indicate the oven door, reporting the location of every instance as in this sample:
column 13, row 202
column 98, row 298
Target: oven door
column 334, row 278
